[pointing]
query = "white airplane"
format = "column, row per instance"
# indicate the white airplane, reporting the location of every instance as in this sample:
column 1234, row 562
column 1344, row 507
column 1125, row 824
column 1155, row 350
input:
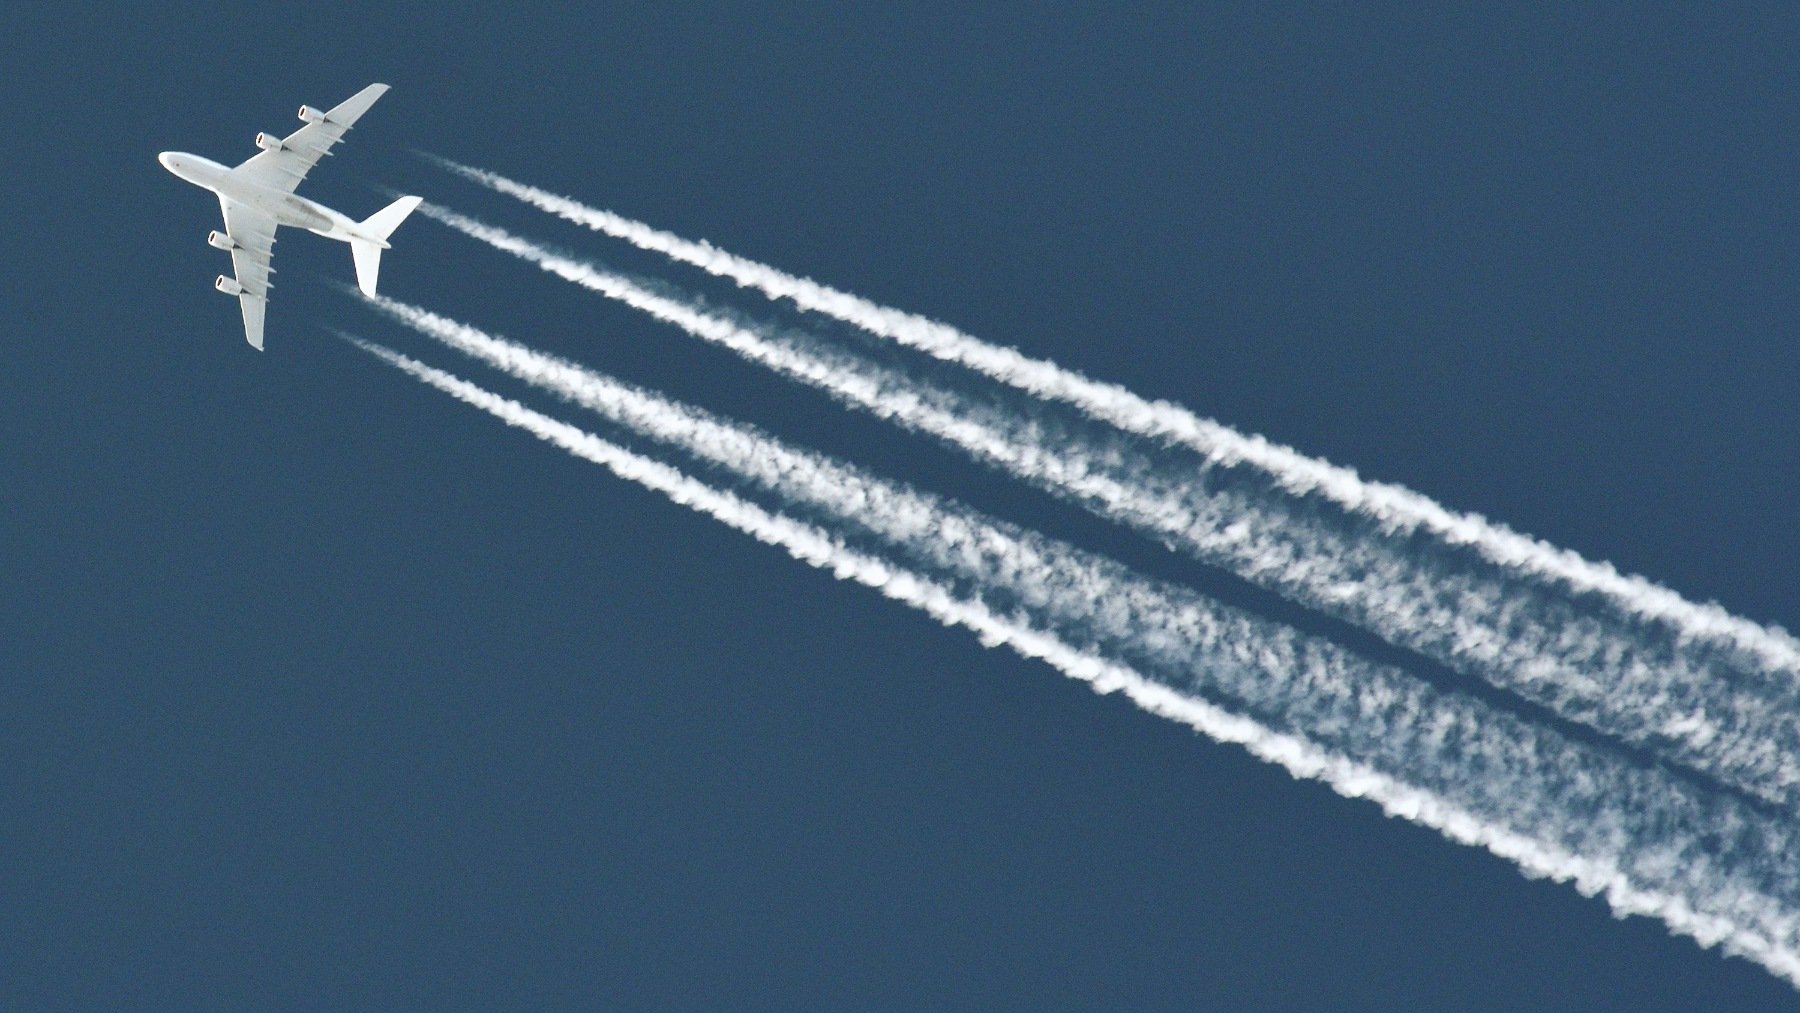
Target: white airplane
column 259, row 195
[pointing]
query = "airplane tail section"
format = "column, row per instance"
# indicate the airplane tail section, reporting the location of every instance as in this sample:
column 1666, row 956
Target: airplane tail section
column 368, row 264
column 381, row 225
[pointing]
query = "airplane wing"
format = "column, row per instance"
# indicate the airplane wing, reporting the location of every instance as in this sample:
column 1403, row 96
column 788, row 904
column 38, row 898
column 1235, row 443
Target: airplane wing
column 253, row 232
column 284, row 167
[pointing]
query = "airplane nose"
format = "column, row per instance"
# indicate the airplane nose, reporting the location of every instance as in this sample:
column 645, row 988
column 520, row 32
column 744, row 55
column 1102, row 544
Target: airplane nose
column 167, row 159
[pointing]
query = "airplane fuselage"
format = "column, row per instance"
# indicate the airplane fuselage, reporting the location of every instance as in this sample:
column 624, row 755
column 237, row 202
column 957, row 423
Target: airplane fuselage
column 256, row 198
column 286, row 208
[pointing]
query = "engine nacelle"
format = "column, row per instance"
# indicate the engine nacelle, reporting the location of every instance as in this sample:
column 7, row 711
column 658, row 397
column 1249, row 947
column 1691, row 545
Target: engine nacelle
column 229, row 286
column 310, row 115
column 221, row 241
column 268, row 142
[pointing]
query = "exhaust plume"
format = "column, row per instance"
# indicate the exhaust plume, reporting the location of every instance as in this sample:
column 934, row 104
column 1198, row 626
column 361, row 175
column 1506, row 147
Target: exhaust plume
column 1676, row 699
column 1397, row 508
column 1706, row 865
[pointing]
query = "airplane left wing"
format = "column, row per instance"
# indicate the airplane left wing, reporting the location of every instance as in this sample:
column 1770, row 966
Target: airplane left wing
column 284, row 166
column 253, row 237
column 254, row 306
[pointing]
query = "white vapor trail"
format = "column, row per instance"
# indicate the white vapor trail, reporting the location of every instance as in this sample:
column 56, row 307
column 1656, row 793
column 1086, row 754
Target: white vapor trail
column 1659, row 697
column 1652, row 844
column 1398, row 508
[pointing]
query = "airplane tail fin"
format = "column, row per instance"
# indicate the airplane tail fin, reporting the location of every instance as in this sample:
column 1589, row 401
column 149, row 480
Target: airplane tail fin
column 381, row 225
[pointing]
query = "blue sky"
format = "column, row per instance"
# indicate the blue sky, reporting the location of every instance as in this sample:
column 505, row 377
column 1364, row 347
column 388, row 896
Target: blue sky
column 327, row 691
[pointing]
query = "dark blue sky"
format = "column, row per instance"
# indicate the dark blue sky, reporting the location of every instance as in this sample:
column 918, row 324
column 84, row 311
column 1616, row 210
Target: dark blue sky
column 324, row 691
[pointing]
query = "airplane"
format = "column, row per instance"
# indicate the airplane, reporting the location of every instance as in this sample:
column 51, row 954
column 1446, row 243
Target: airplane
column 259, row 195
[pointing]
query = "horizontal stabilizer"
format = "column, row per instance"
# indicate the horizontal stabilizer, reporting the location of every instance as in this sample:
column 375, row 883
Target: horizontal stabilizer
column 380, row 225
column 368, row 264
column 254, row 307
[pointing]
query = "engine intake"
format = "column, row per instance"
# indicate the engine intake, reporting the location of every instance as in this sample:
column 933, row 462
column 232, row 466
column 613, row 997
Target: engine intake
column 310, row 115
column 229, row 286
column 220, row 241
column 268, row 142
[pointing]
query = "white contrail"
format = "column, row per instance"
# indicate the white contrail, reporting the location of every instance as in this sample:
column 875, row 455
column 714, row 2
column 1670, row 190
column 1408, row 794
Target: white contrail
column 1394, row 506
column 1705, row 866
column 1655, row 696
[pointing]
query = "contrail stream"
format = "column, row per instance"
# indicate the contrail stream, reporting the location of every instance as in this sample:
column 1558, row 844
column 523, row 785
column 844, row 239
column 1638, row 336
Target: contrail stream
column 1671, row 699
column 1706, row 865
column 1394, row 506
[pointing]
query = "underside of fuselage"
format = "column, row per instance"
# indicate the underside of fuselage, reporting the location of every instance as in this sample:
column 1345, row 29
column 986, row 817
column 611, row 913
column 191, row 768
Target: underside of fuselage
column 287, row 209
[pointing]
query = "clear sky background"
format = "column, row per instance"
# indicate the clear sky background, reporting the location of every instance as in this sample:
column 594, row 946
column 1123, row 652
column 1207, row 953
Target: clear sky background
column 322, row 690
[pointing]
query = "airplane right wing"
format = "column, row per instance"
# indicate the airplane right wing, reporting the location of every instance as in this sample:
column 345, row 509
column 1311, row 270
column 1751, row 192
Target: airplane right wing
column 253, row 234
column 284, row 166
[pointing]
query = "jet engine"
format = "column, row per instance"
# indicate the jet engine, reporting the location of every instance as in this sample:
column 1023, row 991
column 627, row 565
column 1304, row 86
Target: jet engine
column 268, row 142
column 220, row 241
column 310, row 115
column 229, row 286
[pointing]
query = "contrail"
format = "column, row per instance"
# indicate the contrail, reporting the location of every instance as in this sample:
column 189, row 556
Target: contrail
column 1705, row 865
column 1657, row 696
column 1395, row 507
